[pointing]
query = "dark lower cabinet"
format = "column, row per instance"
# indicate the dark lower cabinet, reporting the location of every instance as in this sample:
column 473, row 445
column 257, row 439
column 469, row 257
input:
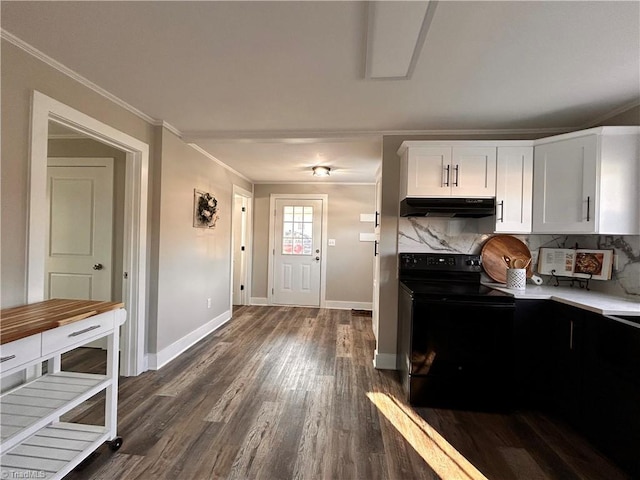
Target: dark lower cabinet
column 612, row 390
column 533, row 359
column 585, row 368
column 548, row 357
column 566, row 352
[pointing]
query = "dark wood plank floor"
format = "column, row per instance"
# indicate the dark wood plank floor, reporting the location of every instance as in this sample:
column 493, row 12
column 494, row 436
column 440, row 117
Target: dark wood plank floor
column 283, row 393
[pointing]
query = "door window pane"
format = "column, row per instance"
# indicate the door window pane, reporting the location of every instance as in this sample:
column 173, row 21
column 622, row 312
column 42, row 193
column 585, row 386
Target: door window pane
column 297, row 230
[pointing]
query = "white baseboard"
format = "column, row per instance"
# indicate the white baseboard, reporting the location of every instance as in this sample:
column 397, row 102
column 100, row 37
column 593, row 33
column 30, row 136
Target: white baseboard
column 348, row 305
column 259, row 301
column 160, row 359
column 384, row 361
column 145, row 362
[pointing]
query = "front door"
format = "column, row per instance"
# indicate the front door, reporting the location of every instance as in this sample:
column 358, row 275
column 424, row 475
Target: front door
column 297, row 252
column 80, row 201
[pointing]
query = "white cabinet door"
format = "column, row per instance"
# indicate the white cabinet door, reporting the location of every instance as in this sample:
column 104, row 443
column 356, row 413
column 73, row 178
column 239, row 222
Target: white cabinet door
column 428, row 171
column 473, row 172
column 564, row 192
column 514, row 183
column 443, row 171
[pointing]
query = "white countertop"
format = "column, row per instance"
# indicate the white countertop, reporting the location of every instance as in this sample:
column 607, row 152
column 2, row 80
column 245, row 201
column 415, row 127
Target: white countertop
column 597, row 302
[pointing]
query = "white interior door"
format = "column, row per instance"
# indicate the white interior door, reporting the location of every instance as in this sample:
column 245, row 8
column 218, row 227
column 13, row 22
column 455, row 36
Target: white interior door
column 79, row 243
column 239, row 249
column 297, row 251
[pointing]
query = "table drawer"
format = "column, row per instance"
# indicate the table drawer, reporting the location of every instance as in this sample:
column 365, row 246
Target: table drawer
column 18, row 353
column 76, row 333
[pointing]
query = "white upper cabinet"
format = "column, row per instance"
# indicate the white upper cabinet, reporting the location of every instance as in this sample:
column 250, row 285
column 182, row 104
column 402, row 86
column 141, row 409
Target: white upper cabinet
column 514, row 182
column 428, row 172
column 434, row 169
column 587, row 182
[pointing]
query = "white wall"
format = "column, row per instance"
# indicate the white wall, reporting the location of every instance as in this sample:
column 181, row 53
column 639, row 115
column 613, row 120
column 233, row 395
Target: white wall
column 194, row 264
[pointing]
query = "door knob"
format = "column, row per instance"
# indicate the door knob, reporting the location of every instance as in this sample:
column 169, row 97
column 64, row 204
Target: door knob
column 317, row 258
column 98, row 266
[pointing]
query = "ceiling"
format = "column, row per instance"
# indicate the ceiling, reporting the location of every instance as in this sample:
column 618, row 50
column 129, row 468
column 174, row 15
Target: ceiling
column 272, row 88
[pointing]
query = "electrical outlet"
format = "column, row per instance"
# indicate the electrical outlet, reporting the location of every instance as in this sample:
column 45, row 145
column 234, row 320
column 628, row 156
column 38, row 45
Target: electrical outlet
column 208, row 303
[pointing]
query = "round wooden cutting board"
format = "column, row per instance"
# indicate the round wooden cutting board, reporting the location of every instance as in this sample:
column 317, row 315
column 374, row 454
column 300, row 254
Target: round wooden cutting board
column 497, row 247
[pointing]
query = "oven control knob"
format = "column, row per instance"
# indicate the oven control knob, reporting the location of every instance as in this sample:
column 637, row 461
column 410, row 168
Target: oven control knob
column 473, row 263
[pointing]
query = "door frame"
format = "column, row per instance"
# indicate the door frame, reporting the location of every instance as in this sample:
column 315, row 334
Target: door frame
column 239, row 191
column 272, row 241
column 44, row 109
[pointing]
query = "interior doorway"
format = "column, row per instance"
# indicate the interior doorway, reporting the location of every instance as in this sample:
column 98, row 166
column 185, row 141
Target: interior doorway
column 45, row 112
column 241, row 233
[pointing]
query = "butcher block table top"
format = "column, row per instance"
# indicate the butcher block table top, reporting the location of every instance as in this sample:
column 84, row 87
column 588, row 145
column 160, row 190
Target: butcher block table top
column 26, row 320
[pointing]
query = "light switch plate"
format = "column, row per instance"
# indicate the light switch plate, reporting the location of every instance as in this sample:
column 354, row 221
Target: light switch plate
column 332, row 242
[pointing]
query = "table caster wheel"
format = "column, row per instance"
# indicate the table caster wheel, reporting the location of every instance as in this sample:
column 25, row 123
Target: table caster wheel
column 115, row 444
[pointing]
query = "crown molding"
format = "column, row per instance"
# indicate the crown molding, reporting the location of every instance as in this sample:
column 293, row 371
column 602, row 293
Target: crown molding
column 317, row 136
column 266, row 182
column 171, row 128
column 612, row 113
column 280, row 136
column 43, row 57
column 219, row 162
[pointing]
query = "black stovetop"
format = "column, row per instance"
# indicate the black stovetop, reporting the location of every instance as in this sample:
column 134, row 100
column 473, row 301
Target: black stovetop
column 451, row 276
column 419, row 287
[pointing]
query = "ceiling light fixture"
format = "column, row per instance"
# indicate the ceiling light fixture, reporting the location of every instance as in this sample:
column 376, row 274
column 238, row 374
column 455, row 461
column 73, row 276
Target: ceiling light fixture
column 321, row 171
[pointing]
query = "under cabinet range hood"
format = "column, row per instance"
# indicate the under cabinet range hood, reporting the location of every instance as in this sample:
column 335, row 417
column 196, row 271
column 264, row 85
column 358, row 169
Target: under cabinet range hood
column 447, row 207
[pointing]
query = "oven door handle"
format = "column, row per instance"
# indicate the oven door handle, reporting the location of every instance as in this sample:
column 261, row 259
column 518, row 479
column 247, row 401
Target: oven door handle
column 466, row 303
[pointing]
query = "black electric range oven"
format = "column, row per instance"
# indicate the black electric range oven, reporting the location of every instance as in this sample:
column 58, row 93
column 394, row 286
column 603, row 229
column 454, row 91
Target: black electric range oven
column 455, row 336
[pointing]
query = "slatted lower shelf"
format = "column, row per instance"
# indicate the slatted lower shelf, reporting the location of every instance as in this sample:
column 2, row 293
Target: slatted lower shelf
column 52, row 452
column 32, row 406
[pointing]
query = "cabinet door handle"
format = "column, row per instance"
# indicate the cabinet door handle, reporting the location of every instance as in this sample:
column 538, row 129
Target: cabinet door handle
column 377, row 223
column 375, row 248
column 6, row 359
column 457, row 169
column 588, row 207
column 80, row 332
column 448, row 170
column 570, row 334
column 501, row 219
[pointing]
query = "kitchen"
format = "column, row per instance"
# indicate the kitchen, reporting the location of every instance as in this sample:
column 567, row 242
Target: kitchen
column 558, row 345
column 173, row 157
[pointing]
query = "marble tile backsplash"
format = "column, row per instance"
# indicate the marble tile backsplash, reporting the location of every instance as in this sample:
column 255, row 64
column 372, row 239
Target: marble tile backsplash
column 444, row 235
